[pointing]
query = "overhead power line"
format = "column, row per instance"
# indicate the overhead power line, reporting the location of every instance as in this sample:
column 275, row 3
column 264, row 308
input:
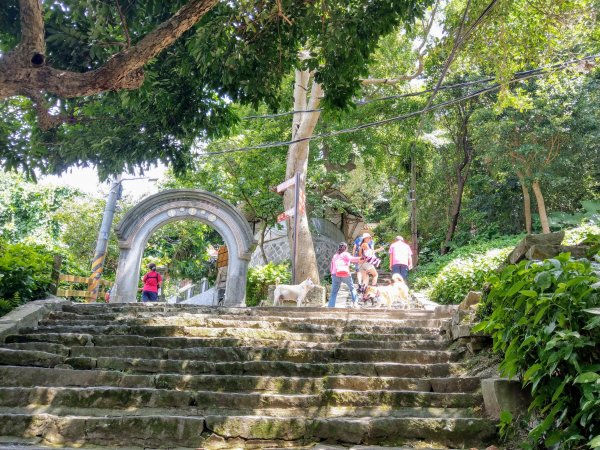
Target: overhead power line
column 522, row 76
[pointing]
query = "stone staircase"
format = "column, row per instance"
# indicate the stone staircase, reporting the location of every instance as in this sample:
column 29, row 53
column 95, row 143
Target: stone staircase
column 174, row 376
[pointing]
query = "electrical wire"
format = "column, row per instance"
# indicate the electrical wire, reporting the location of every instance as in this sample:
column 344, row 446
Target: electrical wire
column 523, row 76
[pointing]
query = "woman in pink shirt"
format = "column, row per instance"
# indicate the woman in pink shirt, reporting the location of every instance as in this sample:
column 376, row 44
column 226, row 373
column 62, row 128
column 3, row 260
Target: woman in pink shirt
column 340, row 273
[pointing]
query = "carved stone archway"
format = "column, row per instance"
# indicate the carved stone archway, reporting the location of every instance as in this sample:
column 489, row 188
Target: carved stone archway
column 141, row 221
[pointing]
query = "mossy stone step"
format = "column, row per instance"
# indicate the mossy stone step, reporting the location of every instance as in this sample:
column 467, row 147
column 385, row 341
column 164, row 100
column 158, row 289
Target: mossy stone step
column 11, row 376
column 247, row 333
column 308, row 313
column 123, row 398
column 237, row 431
column 427, row 342
column 266, row 368
column 227, row 354
column 209, row 320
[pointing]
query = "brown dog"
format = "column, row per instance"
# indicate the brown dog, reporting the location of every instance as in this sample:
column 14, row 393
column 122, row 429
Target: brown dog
column 396, row 290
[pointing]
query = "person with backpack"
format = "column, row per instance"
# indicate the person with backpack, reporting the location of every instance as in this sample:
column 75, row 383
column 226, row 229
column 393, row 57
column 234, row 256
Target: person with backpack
column 152, row 281
column 340, row 273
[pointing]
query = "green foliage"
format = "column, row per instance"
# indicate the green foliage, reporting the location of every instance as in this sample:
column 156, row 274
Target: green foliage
column 27, row 210
column 239, row 51
column 259, row 279
column 538, row 321
column 25, row 273
column 183, row 248
column 450, row 277
column 590, row 214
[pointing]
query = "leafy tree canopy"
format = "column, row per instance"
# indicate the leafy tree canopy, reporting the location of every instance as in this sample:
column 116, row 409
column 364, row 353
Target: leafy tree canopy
column 239, row 50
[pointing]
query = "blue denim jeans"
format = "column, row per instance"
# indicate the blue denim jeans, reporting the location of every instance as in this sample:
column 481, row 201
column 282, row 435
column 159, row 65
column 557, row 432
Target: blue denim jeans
column 401, row 269
column 336, row 282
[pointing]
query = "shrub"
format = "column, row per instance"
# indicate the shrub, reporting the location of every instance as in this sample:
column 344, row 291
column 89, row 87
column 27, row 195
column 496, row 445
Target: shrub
column 450, row 277
column 539, row 319
column 425, row 274
column 259, row 279
column 25, row 274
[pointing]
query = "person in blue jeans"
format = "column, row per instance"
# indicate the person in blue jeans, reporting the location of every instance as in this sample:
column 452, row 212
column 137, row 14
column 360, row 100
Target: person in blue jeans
column 340, row 273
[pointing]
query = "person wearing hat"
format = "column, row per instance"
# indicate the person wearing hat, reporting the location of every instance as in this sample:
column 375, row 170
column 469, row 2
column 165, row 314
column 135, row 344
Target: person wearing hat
column 400, row 258
column 152, row 281
column 366, row 269
column 356, row 249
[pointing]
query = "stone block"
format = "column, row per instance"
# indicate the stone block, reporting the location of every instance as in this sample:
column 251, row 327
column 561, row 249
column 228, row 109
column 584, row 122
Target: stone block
column 28, row 315
column 502, row 394
column 460, row 331
column 576, row 251
column 472, row 298
column 520, row 251
column 541, row 252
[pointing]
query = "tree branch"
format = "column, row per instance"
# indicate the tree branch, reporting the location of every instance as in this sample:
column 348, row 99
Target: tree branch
column 123, row 24
column 420, row 56
column 122, row 71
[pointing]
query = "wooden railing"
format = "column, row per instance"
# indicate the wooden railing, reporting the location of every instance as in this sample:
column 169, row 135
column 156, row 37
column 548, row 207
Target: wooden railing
column 65, row 278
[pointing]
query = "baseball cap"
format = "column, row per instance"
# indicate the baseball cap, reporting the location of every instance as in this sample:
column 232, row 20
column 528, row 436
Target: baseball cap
column 366, row 235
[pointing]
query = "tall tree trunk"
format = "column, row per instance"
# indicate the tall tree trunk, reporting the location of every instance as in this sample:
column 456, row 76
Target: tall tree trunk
column 297, row 161
column 413, row 209
column 526, row 202
column 462, row 173
column 261, row 242
column 535, row 185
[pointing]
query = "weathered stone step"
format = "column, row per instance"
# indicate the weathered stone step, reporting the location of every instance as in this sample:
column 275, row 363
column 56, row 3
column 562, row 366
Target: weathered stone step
column 248, row 333
column 267, row 368
column 230, row 354
column 427, row 342
column 38, row 376
column 307, row 313
column 220, row 321
column 235, row 431
column 312, row 412
column 203, row 401
column 16, row 357
column 47, row 347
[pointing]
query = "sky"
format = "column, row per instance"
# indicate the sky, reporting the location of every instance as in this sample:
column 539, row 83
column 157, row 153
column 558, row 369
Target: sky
column 86, row 179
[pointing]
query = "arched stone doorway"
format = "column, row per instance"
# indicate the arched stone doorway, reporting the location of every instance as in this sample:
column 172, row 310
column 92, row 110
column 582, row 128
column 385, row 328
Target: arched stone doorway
column 157, row 210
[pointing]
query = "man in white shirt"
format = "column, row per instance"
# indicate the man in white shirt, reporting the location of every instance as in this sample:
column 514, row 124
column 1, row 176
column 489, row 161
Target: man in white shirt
column 400, row 258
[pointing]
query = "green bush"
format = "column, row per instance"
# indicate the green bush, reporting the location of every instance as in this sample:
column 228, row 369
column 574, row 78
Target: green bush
column 25, row 274
column 450, row 277
column 259, row 279
column 424, row 274
column 538, row 316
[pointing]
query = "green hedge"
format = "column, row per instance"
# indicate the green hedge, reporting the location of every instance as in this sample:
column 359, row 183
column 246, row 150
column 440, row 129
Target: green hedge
column 538, row 315
column 25, row 274
column 450, row 277
column 259, row 279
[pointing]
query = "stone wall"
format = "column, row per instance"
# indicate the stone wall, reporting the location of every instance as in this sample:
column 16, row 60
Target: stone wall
column 326, row 238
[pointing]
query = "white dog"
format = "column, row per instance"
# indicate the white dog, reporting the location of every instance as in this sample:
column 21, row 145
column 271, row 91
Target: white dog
column 295, row 292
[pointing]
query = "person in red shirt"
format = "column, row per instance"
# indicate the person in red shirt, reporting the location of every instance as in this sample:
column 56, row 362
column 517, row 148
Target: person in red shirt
column 152, row 281
column 400, row 258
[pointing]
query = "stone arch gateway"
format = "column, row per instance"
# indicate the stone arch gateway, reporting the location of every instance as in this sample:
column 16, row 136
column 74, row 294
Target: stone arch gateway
column 141, row 221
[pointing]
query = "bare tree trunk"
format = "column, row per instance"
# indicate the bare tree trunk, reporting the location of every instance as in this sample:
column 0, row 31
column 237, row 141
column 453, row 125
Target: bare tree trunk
column 535, row 185
column 297, row 161
column 454, row 213
column 462, row 173
column 413, row 210
column 526, row 202
column 261, row 242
